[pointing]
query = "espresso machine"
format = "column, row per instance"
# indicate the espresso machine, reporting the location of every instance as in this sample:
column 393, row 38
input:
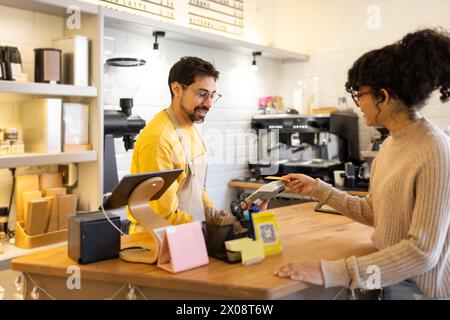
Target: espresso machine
column 315, row 145
column 358, row 176
column 379, row 137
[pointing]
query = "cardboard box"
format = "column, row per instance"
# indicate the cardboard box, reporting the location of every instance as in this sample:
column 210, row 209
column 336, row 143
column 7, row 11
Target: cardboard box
column 75, row 124
column 75, row 60
column 41, row 125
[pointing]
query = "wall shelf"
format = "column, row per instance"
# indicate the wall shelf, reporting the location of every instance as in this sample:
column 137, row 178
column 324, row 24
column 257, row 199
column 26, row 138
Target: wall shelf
column 46, row 89
column 52, row 7
column 41, row 159
column 140, row 24
column 93, row 20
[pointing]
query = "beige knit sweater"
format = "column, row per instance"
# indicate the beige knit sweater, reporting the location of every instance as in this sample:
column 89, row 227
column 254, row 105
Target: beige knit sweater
column 409, row 206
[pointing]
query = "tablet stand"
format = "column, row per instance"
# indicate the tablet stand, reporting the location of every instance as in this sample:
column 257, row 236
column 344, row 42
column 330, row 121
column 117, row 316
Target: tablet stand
column 143, row 213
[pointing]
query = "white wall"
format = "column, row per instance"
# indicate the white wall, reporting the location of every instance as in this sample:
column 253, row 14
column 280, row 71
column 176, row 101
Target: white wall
column 336, row 33
column 315, row 26
column 260, row 16
column 228, row 118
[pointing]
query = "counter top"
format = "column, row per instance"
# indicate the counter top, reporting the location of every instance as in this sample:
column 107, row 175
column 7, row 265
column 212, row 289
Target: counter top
column 305, row 235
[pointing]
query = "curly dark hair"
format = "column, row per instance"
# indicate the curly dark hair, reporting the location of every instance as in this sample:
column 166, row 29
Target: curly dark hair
column 410, row 69
column 188, row 68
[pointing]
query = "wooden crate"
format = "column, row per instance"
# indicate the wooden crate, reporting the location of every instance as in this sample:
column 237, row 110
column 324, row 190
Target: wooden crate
column 25, row 241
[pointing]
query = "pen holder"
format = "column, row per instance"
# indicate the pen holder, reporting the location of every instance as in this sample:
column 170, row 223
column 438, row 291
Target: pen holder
column 215, row 237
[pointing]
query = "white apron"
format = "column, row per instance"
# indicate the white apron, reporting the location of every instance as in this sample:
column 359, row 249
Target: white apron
column 191, row 191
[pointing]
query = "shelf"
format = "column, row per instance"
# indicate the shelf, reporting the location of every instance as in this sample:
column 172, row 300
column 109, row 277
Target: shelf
column 10, row 251
column 41, row 159
column 52, row 7
column 46, row 89
column 140, row 24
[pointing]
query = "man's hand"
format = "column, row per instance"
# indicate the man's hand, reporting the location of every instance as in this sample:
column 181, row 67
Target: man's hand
column 248, row 203
column 306, row 271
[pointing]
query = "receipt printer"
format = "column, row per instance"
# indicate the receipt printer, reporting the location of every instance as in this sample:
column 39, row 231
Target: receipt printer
column 92, row 237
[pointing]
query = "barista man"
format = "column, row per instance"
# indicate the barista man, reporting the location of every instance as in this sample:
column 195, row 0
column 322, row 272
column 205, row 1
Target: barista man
column 171, row 141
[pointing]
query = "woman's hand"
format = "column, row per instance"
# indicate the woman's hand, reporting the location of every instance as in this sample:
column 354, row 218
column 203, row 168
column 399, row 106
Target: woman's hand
column 306, row 271
column 300, row 184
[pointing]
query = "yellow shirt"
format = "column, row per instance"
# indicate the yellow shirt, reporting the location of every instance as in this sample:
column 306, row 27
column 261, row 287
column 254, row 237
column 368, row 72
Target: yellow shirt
column 158, row 148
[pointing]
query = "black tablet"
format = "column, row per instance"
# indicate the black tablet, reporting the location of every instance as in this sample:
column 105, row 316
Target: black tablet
column 128, row 183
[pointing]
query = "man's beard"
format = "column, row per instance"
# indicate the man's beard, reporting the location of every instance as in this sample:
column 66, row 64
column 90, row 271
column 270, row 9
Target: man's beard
column 193, row 115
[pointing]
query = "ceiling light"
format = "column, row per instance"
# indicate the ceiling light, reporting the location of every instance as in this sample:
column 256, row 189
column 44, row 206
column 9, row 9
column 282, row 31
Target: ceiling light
column 157, row 34
column 254, row 67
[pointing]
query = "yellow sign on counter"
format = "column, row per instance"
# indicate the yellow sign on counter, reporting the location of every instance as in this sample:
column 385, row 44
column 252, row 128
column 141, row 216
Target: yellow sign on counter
column 266, row 229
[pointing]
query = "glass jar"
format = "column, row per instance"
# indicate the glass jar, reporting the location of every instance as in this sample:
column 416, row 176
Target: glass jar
column 17, row 147
column 11, row 134
column 5, row 148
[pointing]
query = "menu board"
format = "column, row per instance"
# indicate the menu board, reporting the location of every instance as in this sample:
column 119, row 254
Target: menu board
column 160, row 8
column 221, row 15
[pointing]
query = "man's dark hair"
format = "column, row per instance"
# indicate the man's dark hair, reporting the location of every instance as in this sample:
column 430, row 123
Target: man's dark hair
column 188, row 68
column 410, row 69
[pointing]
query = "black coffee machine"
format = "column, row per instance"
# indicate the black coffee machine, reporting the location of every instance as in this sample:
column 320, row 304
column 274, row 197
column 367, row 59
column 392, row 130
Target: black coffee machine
column 357, row 176
column 378, row 141
column 315, row 145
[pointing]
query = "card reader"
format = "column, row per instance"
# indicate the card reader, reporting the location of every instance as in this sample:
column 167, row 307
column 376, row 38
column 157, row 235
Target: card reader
column 267, row 191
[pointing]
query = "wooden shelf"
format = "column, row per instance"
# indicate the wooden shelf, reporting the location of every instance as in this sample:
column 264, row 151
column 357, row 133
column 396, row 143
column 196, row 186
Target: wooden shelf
column 52, row 7
column 46, row 89
column 40, row 159
column 10, row 251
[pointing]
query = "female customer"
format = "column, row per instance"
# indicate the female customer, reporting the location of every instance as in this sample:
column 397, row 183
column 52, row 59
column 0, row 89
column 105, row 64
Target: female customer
column 409, row 198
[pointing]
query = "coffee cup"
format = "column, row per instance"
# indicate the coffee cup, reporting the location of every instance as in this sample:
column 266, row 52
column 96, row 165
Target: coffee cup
column 339, row 178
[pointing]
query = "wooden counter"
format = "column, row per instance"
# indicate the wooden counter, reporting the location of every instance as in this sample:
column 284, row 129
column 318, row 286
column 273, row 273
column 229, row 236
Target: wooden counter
column 305, row 234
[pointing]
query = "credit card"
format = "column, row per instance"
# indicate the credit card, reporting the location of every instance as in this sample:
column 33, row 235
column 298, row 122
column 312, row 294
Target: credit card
column 276, row 178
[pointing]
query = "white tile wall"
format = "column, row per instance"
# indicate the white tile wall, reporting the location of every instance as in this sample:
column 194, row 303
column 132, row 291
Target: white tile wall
column 28, row 30
column 240, row 89
column 336, row 33
column 331, row 69
column 229, row 117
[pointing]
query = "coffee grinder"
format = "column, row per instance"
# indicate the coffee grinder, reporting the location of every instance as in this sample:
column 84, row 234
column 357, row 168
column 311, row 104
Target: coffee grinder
column 121, row 124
